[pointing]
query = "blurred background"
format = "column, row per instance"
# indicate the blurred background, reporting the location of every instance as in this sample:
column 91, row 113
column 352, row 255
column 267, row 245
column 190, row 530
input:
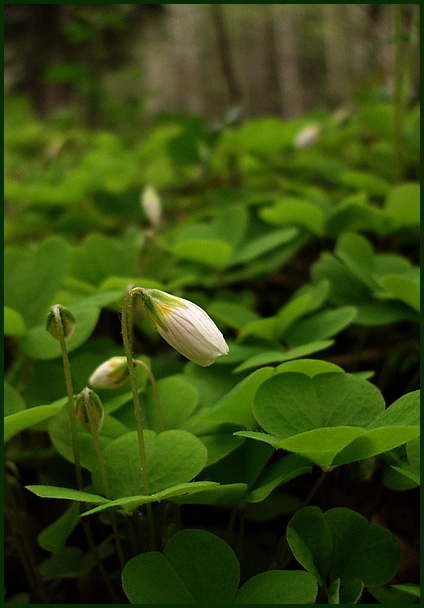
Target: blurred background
column 112, row 63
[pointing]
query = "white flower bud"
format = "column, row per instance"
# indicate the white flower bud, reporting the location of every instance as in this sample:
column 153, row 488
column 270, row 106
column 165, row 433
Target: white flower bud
column 110, row 374
column 307, row 136
column 151, row 205
column 185, row 326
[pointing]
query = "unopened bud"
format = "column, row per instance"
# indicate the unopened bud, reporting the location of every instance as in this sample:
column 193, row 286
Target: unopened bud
column 307, row 136
column 151, row 205
column 185, row 326
column 110, row 374
column 89, row 407
column 58, row 314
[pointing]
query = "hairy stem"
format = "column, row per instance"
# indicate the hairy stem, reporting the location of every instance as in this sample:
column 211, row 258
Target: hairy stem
column 73, row 422
column 155, row 391
column 105, row 481
column 126, row 320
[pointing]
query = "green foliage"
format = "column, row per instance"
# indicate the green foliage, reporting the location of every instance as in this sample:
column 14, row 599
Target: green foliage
column 306, row 260
column 341, row 549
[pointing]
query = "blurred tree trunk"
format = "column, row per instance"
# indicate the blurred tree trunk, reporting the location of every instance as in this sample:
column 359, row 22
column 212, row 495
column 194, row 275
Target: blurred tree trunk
column 224, row 55
column 285, row 24
column 383, row 46
column 360, row 35
column 335, row 48
column 47, row 24
column 185, row 28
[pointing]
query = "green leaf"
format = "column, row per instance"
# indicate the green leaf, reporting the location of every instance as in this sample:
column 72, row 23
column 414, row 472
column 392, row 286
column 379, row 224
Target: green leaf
column 224, row 495
column 395, row 426
column 310, row 367
column 357, row 215
column 403, row 288
column 71, row 563
column 230, row 224
column 413, row 452
column 403, row 204
column 173, row 457
column 209, row 252
column 278, row 587
column 309, row 537
column 292, row 403
column 358, row 255
column 143, row 579
column 275, row 356
column 177, row 398
column 361, row 550
column 129, row 504
column 60, row 434
column 290, row 313
column 333, row 592
column 298, row 212
column 351, row 592
column 66, row 494
column 261, row 328
column 342, row 544
column 396, row 594
column 14, row 325
column 316, row 417
column 262, row 245
column 236, row 405
column 54, row 537
column 196, row 567
column 40, row 344
column 32, row 277
column 345, row 287
column 220, row 442
column 15, row 423
column 320, row 326
column 233, row 315
column 13, row 402
column 206, row 564
column 101, row 257
column 361, row 180
column 279, row 472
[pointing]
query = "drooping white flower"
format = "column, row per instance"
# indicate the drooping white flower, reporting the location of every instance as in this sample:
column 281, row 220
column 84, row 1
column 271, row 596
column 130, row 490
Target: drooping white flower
column 110, row 374
column 185, row 326
column 151, row 205
column 307, row 136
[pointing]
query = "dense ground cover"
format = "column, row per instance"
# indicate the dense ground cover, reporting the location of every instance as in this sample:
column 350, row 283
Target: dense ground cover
column 287, row 471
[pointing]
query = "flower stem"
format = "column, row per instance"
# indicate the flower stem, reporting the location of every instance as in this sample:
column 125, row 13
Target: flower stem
column 127, row 312
column 155, row 392
column 70, row 393
column 73, row 422
column 106, row 486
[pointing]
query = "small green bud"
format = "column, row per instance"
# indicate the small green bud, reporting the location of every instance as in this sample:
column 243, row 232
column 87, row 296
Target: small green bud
column 110, row 374
column 59, row 313
column 90, row 406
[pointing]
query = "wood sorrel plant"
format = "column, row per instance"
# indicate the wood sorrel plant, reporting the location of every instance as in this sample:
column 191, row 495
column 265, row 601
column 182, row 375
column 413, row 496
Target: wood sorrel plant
column 282, row 421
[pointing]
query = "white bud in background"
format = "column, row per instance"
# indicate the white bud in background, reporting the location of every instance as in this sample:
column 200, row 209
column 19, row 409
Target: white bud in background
column 151, row 205
column 307, row 136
